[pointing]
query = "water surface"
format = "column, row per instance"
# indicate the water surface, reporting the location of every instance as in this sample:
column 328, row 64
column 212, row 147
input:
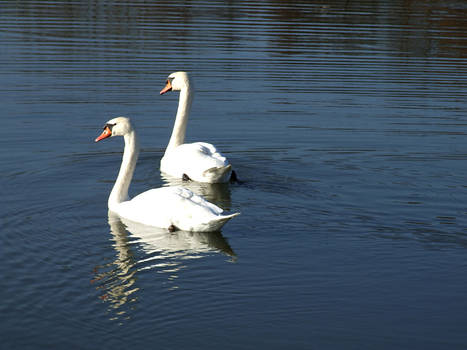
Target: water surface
column 345, row 121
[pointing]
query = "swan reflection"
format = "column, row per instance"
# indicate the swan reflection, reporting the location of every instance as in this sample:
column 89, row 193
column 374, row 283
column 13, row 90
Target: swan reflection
column 117, row 279
column 218, row 193
column 171, row 248
column 141, row 248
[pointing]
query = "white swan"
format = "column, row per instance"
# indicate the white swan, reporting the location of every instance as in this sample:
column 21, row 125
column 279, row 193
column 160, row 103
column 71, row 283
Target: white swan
column 166, row 207
column 198, row 161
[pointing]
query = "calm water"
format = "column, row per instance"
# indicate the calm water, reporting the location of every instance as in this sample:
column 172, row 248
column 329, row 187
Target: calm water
column 346, row 122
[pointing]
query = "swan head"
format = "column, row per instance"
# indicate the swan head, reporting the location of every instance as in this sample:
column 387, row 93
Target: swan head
column 176, row 82
column 119, row 126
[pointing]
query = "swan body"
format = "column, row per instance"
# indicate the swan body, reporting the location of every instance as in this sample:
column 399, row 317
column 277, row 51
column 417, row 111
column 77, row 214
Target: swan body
column 166, row 207
column 199, row 161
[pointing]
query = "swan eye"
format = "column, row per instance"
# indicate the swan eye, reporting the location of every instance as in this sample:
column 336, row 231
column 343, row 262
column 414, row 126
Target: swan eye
column 109, row 126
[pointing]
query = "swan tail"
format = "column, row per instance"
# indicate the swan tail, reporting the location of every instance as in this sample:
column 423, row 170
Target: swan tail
column 230, row 216
column 220, row 221
column 218, row 174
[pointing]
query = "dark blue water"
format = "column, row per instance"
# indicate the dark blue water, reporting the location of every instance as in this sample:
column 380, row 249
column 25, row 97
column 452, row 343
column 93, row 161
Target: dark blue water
column 345, row 121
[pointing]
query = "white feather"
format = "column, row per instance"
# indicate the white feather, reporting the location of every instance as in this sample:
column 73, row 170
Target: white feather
column 200, row 161
column 161, row 207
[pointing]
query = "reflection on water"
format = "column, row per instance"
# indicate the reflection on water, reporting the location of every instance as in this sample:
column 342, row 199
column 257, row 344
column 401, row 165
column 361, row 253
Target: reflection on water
column 218, row 193
column 117, row 279
column 346, row 120
column 164, row 248
column 149, row 248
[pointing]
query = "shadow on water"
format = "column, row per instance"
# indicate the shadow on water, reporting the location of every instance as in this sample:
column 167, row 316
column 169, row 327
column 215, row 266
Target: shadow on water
column 142, row 248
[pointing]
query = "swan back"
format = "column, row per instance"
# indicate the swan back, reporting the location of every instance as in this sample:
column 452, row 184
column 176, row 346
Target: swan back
column 200, row 161
column 177, row 206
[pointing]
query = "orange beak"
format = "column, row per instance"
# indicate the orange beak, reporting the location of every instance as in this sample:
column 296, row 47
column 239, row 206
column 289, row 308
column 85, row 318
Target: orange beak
column 168, row 87
column 106, row 133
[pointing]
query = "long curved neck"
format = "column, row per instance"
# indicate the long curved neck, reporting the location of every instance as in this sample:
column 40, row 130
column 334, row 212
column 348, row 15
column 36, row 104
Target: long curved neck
column 179, row 130
column 119, row 192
